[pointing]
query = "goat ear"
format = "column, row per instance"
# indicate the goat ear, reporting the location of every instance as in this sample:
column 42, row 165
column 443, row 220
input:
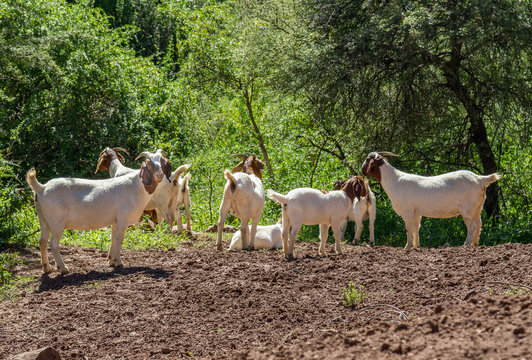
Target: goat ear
column 238, row 167
column 358, row 189
column 167, row 168
column 121, row 158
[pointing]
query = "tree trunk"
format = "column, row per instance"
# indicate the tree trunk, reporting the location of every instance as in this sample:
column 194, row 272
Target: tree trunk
column 477, row 129
column 249, row 99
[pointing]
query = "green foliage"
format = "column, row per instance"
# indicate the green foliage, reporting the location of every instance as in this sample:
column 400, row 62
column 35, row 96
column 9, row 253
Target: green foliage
column 7, row 261
column 353, row 297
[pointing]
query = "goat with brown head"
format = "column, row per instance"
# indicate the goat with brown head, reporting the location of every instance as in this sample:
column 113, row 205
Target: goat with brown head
column 373, row 162
column 153, row 169
column 107, row 156
column 250, row 165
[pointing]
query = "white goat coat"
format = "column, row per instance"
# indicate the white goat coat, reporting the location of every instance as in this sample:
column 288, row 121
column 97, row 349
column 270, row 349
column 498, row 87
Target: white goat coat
column 266, row 237
column 82, row 204
column 362, row 211
column 244, row 198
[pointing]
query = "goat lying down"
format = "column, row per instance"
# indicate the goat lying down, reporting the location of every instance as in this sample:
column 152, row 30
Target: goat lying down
column 266, row 237
column 244, row 198
column 363, row 209
column 443, row 196
column 313, row 207
column 81, row 204
column 169, row 192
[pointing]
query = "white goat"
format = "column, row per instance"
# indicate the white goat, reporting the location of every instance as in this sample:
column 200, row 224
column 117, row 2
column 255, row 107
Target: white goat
column 312, row 207
column 165, row 198
column 244, row 197
column 266, row 237
column 183, row 198
column 363, row 209
column 442, row 196
column 81, row 204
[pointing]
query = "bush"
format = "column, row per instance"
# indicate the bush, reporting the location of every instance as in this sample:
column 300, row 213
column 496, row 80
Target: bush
column 351, row 297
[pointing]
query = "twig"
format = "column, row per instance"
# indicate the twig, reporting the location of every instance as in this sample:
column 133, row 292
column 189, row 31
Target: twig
column 402, row 315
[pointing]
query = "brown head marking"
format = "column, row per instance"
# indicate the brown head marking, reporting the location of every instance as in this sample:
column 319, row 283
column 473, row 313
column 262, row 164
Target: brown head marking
column 338, row 184
column 354, row 187
column 167, row 168
column 107, row 156
column 249, row 165
column 147, row 177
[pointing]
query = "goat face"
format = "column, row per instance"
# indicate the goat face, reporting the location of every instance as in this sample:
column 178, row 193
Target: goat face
column 354, row 187
column 371, row 166
column 154, row 169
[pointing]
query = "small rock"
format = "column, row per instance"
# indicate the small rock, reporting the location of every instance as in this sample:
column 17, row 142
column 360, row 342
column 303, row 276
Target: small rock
column 45, row 353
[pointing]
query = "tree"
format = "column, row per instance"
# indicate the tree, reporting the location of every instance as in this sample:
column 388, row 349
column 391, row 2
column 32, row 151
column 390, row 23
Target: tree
column 411, row 72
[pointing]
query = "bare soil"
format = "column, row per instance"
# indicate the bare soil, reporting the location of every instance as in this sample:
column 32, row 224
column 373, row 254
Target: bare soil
column 196, row 302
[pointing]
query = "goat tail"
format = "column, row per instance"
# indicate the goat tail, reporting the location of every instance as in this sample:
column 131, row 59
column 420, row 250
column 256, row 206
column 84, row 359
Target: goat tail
column 368, row 191
column 488, row 179
column 275, row 196
column 186, row 178
column 180, row 170
column 229, row 176
column 31, row 179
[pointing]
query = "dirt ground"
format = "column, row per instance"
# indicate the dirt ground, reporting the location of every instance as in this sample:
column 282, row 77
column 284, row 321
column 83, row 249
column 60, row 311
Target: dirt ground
column 196, row 302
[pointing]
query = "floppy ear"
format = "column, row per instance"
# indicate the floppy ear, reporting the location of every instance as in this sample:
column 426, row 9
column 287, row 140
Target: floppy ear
column 103, row 162
column 120, row 157
column 357, row 189
column 167, row 168
column 239, row 166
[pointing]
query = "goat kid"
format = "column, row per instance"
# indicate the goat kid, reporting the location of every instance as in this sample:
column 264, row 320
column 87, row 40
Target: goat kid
column 183, row 198
column 244, row 198
column 81, row 204
column 266, row 237
column 443, row 196
column 313, row 207
column 363, row 209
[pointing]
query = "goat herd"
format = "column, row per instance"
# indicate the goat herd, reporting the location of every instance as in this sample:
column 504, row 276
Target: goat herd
column 82, row 204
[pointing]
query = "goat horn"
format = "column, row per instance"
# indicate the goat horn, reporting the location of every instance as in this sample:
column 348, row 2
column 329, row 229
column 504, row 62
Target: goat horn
column 144, row 153
column 243, row 156
column 162, row 152
column 120, row 149
column 386, row 153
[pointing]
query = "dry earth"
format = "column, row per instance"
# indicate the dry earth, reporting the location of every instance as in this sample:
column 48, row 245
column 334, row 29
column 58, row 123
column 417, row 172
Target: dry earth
column 196, row 302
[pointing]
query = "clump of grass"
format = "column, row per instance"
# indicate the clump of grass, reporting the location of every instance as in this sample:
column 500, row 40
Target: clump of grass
column 353, row 297
column 10, row 285
column 517, row 290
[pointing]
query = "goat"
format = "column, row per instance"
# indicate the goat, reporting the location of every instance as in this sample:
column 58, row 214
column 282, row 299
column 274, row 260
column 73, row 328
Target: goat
column 81, row 204
column 244, row 198
column 363, row 209
column 266, row 237
column 165, row 198
column 443, row 196
column 183, row 198
column 312, row 207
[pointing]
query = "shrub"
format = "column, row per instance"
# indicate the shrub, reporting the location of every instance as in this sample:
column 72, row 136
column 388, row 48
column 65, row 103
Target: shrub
column 352, row 297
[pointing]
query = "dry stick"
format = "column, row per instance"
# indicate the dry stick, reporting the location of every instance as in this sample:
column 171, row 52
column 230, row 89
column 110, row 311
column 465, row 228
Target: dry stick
column 401, row 315
column 510, row 284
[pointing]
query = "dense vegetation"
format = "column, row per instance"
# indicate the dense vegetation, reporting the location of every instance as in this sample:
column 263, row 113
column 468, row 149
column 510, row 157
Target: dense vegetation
column 310, row 86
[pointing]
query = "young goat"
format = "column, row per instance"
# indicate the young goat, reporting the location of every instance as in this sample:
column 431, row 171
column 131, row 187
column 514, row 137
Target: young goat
column 165, row 198
column 244, row 197
column 443, row 196
column 81, row 204
column 266, row 237
column 183, row 198
column 363, row 209
column 312, row 207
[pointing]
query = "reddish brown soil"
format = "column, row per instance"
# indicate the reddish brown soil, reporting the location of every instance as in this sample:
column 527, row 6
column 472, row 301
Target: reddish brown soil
column 200, row 303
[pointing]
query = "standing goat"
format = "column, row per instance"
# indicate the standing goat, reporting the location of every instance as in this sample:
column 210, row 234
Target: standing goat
column 244, row 198
column 313, row 207
column 442, row 196
column 183, row 198
column 81, row 204
column 165, row 198
column 363, row 209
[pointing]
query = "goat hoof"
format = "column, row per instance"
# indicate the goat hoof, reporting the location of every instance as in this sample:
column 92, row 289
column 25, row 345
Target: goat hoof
column 47, row 268
column 408, row 247
column 64, row 271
